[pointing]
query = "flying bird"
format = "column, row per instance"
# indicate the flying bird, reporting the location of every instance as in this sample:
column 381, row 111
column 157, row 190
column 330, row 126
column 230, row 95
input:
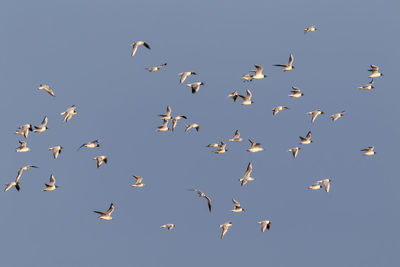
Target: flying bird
column 234, row 96
column 47, row 89
column 106, row 215
column 213, row 145
column 247, row 98
column 51, row 185
column 246, row 177
column 42, row 127
column 24, row 130
column 310, row 29
column 195, row 86
column 193, row 125
column 139, row 180
column 295, row 151
column 15, row 183
column 236, row 137
column 92, row 144
column 69, row 113
column 56, row 151
column 22, row 147
column 168, row 226
column 258, row 73
column 237, row 207
column 156, row 68
column 326, row 183
column 368, row 86
column 276, row 110
column 337, row 116
column 167, row 115
column 315, row 114
column 186, row 74
column 289, row 66
column 225, row 228
column 368, row 151
column 255, row 147
column 306, row 140
column 100, row 160
column 247, row 78
column 315, row 186
column 201, row 194
column 136, row 45
column 222, row 148
column 175, row 121
column 374, row 72
column 163, row 127
column 296, row 92
column 265, row 225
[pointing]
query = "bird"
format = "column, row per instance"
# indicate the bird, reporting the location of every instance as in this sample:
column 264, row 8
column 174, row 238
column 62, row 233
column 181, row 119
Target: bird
column 91, row 144
column 100, row 160
column 265, row 225
column 246, row 177
column 168, row 226
column 24, row 130
column 201, row 194
column 184, row 75
column 247, row 78
column 213, row 145
column 25, row 168
column 51, row 185
column 225, row 226
column 306, row 140
column 315, row 186
column 167, row 115
column 47, row 89
column 175, row 121
column 236, row 137
column 258, row 73
column 156, row 68
column 247, row 98
column 163, row 127
column 136, row 45
column 42, row 127
column 22, row 147
column 69, row 113
column 295, row 151
column 222, row 148
column 374, row 72
column 106, row 215
column 368, row 86
column 310, row 29
column 255, row 147
column 15, row 183
column 337, row 116
column 195, row 86
column 193, row 125
column 56, row 151
column 326, row 183
column 234, row 96
column 289, row 66
column 237, row 207
column 276, row 110
column 315, row 114
column 295, row 92
column 139, row 180
column 369, row 151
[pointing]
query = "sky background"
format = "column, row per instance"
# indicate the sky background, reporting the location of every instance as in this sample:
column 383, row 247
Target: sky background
column 82, row 49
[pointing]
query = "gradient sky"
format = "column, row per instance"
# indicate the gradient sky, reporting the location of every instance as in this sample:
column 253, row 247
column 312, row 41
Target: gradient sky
column 82, row 49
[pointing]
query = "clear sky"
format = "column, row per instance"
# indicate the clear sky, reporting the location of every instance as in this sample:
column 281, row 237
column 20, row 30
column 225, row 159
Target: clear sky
column 82, row 49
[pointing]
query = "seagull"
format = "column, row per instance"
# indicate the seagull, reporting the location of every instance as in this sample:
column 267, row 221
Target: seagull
column 24, row 130
column 25, row 168
column 15, row 183
column 22, row 147
column 222, row 148
column 167, row 115
column 336, row 116
column 315, row 114
column 175, row 121
column 315, row 187
column 213, row 145
column 247, row 78
column 138, row 181
column 265, row 225
column 193, row 125
column 225, row 228
column 295, row 151
column 295, row 92
column 258, row 73
column 246, row 177
column 156, row 68
column 368, row 86
column 247, row 98
column 163, row 127
column 310, row 29
column 106, row 215
column 369, row 151
column 237, row 207
column 255, row 147
column 51, row 185
column 306, row 140
column 374, row 72
column 100, row 160
column 184, row 75
column 289, row 66
column 327, row 184
column 168, row 226
column 92, row 144
column 56, row 151
column 195, row 86
column 47, row 89
column 42, row 127
column 236, row 137
column 276, row 110
column 201, row 194
column 136, row 45
column 234, row 96
column 69, row 113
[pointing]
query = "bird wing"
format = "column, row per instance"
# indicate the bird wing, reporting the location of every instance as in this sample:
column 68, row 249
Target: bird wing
column 308, row 136
column 134, row 49
column 248, row 171
column 259, row 69
column 235, row 203
column 146, row 45
column 44, row 122
column 110, row 210
column 52, row 180
column 208, row 202
column 291, row 58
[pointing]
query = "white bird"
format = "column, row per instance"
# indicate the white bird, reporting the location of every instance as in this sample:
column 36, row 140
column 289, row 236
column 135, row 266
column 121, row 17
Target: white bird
column 315, row 114
column 15, row 183
column 225, row 226
column 51, row 185
column 246, row 177
column 139, row 180
column 167, row 115
column 163, row 127
column 42, row 127
column 374, row 72
column 100, row 160
column 22, row 147
column 368, row 86
column 234, row 96
column 315, row 187
column 92, row 144
column 193, row 125
column 310, row 29
column 195, row 86
column 295, row 92
column 368, row 151
column 247, row 98
column 175, row 121
column 337, row 116
column 213, row 145
column 69, row 113
column 222, row 148
column 255, row 147
column 47, row 89
column 306, row 140
column 247, row 78
column 265, row 225
column 106, row 215
column 168, row 226
column 236, row 137
column 258, row 73
column 289, row 66
column 156, row 68
column 201, row 194
column 136, row 45
column 184, row 75
column 326, row 183
column 56, row 151
column 276, row 110
column 295, row 151
column 24, row 130
column 237, row 207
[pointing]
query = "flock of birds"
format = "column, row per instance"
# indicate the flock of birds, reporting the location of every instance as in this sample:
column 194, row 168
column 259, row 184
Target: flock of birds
column 221, row 147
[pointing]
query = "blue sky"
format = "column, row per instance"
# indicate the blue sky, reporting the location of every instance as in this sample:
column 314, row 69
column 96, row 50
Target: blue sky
column 82, row 49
